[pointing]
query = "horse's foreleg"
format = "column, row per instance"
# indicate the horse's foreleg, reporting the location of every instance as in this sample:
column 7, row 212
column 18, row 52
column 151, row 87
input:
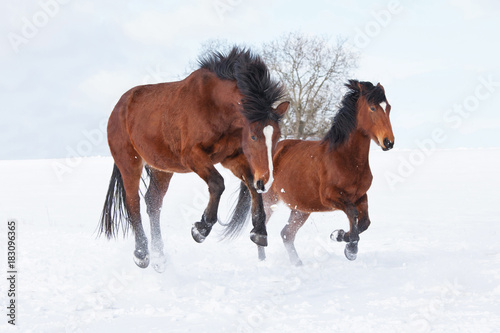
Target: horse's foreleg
column 363, row 219
column 201, row 164
column 296, row 220
column 352, row 236
column 240, row 168
column 351, row 248
column 258, row 234
column 269, row 200
column 157, row 188
column 202, row 228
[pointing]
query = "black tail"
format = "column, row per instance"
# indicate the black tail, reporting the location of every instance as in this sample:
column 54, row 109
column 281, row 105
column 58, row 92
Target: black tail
column 240, row 214
column 114, row 214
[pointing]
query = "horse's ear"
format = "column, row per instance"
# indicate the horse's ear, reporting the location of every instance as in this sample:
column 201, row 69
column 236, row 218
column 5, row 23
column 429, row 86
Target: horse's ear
column 353, row 85
column 282, row 108
column 360, row 87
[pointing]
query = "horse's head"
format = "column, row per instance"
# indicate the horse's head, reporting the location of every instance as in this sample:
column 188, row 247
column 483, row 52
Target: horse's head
column 258, row 143
column 373, row 114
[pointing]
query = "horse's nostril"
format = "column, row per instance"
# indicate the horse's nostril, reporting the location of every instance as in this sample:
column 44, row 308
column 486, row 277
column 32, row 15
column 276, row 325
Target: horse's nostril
column 388, row 144
column 260, row 185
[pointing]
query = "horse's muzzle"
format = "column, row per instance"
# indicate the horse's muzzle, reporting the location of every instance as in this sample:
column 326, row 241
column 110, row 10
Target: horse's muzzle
column 388, row 144
column 260, row 186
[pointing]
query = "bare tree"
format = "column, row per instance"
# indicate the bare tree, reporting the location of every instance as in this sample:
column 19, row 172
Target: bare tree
column 314, row 73
column 312, row 70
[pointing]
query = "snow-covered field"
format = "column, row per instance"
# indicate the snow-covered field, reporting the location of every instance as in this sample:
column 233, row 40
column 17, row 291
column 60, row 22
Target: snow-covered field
column 430, row 262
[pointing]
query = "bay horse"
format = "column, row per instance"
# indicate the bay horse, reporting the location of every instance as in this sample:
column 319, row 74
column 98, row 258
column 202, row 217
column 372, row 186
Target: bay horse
column 330, row 174
column 224, row 112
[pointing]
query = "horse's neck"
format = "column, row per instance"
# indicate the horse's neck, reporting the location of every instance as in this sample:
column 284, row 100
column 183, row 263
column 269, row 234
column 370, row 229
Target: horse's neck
column 356, row 149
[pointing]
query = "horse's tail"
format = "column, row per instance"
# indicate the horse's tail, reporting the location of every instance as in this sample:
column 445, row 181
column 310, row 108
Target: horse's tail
column 114, row 214
column 240, row 214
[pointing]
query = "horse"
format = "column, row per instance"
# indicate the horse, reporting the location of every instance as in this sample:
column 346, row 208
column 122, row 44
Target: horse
column 329, row 174
column 224, row 112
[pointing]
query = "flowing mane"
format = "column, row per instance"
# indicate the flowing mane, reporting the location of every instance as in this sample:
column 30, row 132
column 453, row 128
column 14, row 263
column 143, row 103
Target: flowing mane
column 344, row 122
column 170, row 128
column 252, row 78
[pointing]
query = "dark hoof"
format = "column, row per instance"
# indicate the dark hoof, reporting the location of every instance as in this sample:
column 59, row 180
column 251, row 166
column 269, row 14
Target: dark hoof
column 337, row 235
column 141, row 258
column 258, row 239
column 351, row 251
column 200, row 231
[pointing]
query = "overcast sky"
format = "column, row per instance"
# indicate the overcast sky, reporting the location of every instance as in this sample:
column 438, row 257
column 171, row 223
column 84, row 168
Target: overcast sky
column 65, row 63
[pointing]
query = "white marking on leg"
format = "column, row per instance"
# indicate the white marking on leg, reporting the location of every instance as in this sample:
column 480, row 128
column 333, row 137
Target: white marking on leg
column 268, row 134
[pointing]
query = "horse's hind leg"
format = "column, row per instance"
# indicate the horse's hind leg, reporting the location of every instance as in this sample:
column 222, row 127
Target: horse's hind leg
column 158, row 186
column 131, row 175
column 296, row 220
column 130, row 165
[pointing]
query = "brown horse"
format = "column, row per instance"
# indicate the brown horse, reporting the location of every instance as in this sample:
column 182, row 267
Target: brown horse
column 221, row 113
column 331, row 174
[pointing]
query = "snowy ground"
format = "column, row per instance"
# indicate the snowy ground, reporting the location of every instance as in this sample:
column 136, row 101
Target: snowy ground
column 430, row 261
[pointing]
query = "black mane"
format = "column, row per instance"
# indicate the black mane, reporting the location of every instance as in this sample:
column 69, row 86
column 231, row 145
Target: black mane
column 344, row 122
column 252, row 78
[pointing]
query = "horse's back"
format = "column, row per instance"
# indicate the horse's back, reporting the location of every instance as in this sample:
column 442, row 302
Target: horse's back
column 161, row 120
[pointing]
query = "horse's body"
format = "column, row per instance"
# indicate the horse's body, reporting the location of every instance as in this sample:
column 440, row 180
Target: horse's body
column 221, row 113
column 331, row 174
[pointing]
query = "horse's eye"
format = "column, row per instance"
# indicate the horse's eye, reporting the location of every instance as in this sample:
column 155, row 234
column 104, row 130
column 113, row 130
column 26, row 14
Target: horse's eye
column 372, row 108
column 253, row 137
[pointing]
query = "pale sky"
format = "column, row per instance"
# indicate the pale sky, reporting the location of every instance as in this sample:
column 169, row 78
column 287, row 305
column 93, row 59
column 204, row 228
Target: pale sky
column 65, row 63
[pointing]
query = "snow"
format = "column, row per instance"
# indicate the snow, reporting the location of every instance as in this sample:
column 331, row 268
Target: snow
column 430, row 261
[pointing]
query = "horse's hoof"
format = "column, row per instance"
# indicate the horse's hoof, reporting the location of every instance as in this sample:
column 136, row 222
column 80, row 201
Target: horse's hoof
column 298, row 263
column 258, row 239
column 159, row 263
column 337, row 235
column 351, row 251
column 141, row 258
column 197, row 236
column 199, row 231
column 262, row 254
